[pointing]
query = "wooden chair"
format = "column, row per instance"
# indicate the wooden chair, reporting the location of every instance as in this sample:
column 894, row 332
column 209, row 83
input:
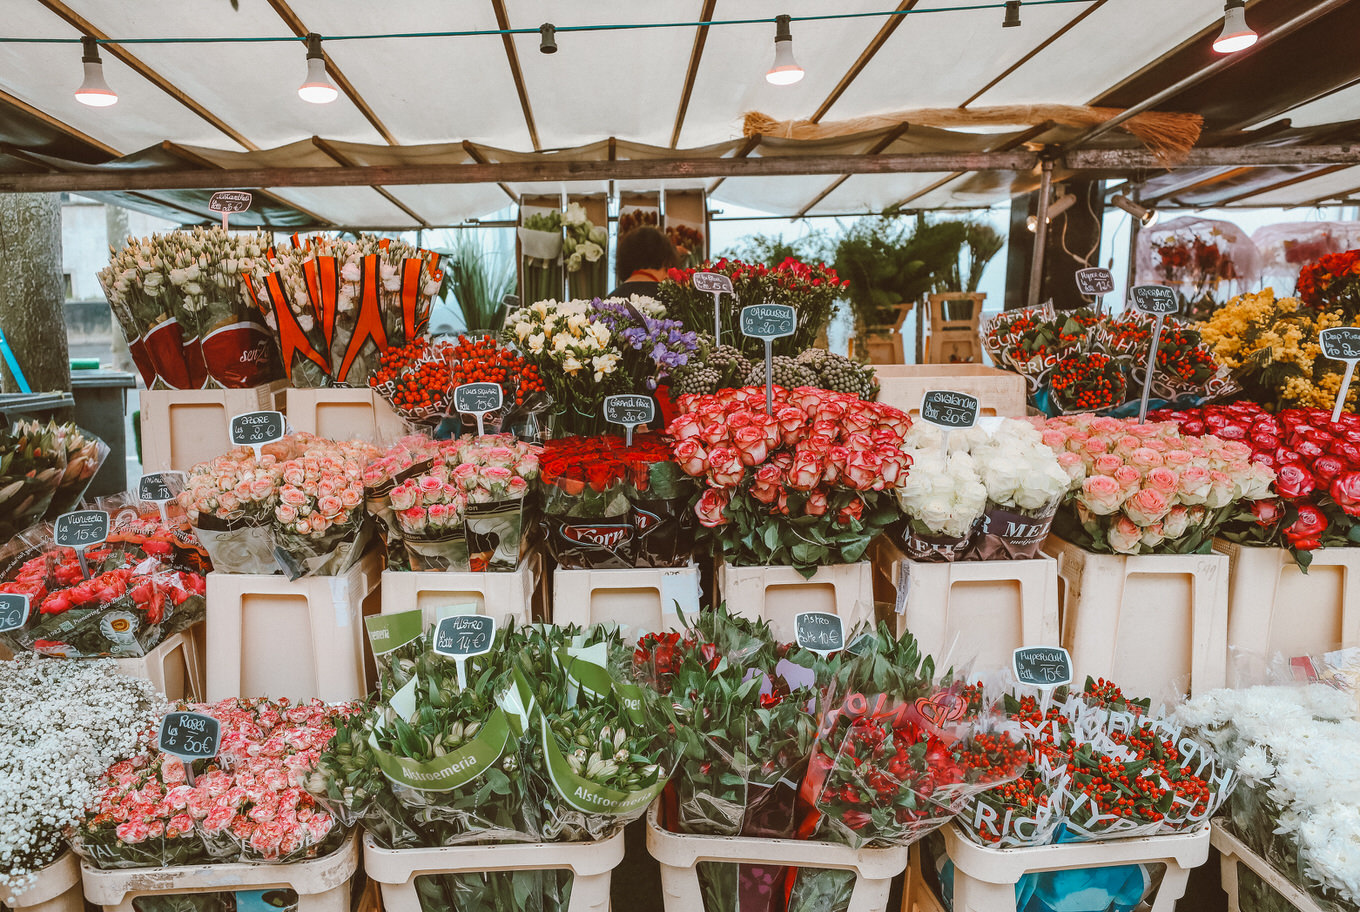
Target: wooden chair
column 954, row 340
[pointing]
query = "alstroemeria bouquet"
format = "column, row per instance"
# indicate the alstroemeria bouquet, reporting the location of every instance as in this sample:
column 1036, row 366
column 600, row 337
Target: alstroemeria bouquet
column 806, row 486
column 992, row 496
column 185, row 308
column 461, row 507
column 608, row 504
column 142, row 586
column 336, row 304
column 1148, row 488
column 32, row 467
column 298, row 507
column 61, row 725
column 810, row 288
column 246, row 804
column 1294, row 748
column 1317, row 474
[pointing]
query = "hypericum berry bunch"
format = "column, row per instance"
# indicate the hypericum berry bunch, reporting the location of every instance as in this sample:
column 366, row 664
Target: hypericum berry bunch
column 413, row 378
column 419, row 378
column 1088, row 383
column 482, row 360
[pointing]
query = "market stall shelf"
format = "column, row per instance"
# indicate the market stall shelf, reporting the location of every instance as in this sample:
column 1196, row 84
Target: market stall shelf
column 777, row 594
column 499, row 595
column 181, row 428
column 56, row 888
column 591, row 864
column 998, row 392
column 175, row 667
column 985, row 878
column 322, row 884
column 643, row 599
column 1274, row 607
column 1234, row 855
column 983, row 610
column 344, row 414
column 1153, row 622
column 680, row 855
column 271, row 637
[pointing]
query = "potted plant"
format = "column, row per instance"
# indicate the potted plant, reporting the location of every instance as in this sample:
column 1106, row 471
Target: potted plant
column 478, row 278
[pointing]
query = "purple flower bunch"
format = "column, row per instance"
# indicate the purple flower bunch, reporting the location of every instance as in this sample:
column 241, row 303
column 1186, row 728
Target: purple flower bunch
column 666, row 342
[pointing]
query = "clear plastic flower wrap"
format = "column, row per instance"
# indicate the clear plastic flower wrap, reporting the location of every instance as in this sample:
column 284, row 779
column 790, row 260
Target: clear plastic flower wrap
column 32, row 465
column 85, row 453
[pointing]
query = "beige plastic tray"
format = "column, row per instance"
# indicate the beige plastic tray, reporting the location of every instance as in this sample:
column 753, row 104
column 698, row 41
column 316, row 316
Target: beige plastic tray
column 269, row 637
column 998, row 392
column 643, row 599
column 181, row 428
column 1232, row 852
column 1149, row 622
column 591, row 864
column 497, row 594
column 322, row 884
column 55, row 889
column 777, row 594
column 344, row 414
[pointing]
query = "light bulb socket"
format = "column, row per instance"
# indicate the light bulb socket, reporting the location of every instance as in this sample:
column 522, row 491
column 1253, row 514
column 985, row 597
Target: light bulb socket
column 782, row 32
column 314, row 46
column 90, row 50
column 1147, row 217
column 1061, row 205
column 1012, row 19
column 547, row 40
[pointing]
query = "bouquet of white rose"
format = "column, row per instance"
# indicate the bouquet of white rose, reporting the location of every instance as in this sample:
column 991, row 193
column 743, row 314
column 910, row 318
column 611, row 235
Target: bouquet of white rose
column 943, row 499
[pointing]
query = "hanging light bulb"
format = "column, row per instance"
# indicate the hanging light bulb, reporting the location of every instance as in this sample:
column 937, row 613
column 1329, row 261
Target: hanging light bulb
column 317, row 87
column 785, row 70
column 94, row 91
column 1012, row 19
column 1236, row 35
column 1148, row 217
column 1055, row 209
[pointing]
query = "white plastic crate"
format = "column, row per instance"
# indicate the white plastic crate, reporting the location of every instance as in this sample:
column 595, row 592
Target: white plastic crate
column 1274, row 607
column 302, row 639
column 643, row 599
column 181, row 428
column 340, row 413
column 175, row 667
column 591, row 864
column 777, row 594
column 980, row 610
column 985, row 878
column 1149, row 622
column 496, row 594
column 998, row 392
column 680, row 855
column 322, row 884
column 1233, row 852
column 55, row 889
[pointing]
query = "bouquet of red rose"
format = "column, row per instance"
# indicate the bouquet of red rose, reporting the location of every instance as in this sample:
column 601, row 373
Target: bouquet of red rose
column 1317, row 474
column 609, row 504
column 805, row 486
column 141, row 585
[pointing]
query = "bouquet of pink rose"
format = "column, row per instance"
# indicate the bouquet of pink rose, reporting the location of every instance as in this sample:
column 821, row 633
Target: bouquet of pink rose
column 298, row 506
column 1149, row 489
column 805, row 486
column 406, row 458
column 463, row 509
column 246, row 804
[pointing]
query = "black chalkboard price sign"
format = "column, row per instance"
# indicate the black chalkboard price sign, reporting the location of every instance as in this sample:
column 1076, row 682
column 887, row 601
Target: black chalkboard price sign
column 160, row 487
column 1155, row 300
column 630, row 410
column 1341, row 343
column 255, row 429
column 768, row 321
column 13, row 611
column 819, row 631
column 1095, row 281
column 230, row 201
column 478, row 400
column 716, row 284
column 81, row 529
column 189, row 736
column 464, row 635
column 949, row 410
column 1042, row 666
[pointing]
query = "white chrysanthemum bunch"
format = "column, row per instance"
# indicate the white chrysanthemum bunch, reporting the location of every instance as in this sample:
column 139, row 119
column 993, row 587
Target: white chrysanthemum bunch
column 62, row 723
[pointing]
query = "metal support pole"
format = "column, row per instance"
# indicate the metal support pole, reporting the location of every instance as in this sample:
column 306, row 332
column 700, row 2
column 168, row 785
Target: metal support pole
column 1036, row 266
column 1135, row 228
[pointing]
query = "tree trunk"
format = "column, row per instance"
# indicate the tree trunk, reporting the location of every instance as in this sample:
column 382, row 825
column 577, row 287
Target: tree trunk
column 32, row 291
column 116, row 228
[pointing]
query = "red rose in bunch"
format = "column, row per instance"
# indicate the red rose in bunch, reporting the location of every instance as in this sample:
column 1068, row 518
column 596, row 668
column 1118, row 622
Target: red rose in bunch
column 1306, row 532
column 712, row 506
column 658, row 657
column 1327, row 468
column 1267, row 512
column 1293, row 482
column 1345, row 490
column 816, row 504
column 851, row 512
column 767, row 484
column 807, row 470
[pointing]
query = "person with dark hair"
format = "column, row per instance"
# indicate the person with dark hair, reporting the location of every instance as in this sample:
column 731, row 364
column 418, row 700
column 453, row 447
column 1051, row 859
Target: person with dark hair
column 643, row 257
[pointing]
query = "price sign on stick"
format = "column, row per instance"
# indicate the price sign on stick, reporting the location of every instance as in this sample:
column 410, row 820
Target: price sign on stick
column 1044, row 667
column 630, row 411
column 81, row 529
column 462, row 636
column 1155, row 301
column 716, row 284
column 768, row 322
column 479, row 400
column 949, row 411
column 229, row 201
column 1095, row 282
column 819, row 631
column 13, row 611
column 189, row 736
column 160, row 488
column 255, row 429
column 1342, row 343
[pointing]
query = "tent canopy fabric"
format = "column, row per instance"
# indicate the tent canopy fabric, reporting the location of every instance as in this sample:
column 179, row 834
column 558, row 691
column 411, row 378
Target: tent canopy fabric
column 653, row 93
